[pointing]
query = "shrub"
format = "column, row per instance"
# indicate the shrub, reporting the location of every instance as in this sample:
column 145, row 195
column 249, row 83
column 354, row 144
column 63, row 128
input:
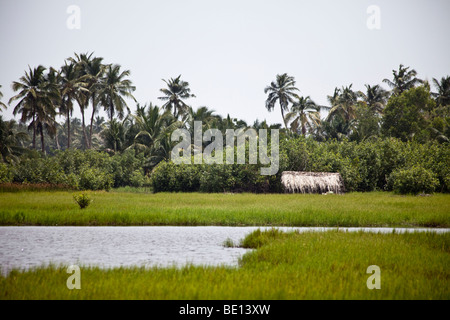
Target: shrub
column 5, row 173
column 217, row 178
column 82, row 199
column 136, row 179
column 95, row 179
column 413, row 180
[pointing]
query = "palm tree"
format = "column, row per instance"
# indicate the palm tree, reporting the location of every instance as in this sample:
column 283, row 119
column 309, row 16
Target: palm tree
column 46, row 111
column 304, row 111
column 114, row 89
column 114, row 135
column 81, row 61
column 263, row 125
column 282, row 90
column 443, row 95
column 76, row 132
column 98, row 124
column 176, row 91
column 30, row 97
column 155, row 128
column 1, row 103
column 95, row 71
column 403, row 80
column 334, row 128
column 71, row 83
column 11, row 141
column 375, row 98
column 343, row 102
column 203, row 114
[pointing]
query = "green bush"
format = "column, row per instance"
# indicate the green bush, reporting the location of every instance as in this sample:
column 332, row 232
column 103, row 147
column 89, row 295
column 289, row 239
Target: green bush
column 5, row 173
column 217, row 178
column 364, row 166
column 95, row 179
column 136, row 178
column 170, row 177
column 413, row 180
column 82, row 199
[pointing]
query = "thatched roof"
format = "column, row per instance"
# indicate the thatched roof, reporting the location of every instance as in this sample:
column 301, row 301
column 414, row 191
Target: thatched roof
column 312, row 182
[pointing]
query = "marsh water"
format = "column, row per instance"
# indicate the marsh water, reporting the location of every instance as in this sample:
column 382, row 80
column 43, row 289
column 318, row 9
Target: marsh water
column 27, row 247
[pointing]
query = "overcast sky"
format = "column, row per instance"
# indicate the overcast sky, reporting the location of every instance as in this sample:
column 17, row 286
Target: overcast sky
column 230, row 50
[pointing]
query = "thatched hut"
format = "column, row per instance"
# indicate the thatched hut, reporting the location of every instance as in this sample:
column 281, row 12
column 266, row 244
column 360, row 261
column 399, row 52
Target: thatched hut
column 312, row 182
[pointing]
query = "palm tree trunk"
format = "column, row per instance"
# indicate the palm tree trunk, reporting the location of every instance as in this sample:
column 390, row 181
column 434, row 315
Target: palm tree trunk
column 68, row 129
column 84, row 128
column 92, row 121
column 34, row 127
column 42, row 139
column 111, row 108
column 284, row 119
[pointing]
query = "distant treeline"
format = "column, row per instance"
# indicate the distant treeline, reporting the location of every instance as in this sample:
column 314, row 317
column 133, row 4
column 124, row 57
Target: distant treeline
column 377, row 164
column 377, row 139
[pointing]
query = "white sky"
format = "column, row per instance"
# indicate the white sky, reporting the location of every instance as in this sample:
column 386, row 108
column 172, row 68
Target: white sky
column 230, row 50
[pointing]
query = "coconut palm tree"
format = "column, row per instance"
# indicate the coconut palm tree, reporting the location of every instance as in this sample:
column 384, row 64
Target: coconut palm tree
column 76, row 133
column 46, row 111
column 281, row 90
column 98, row 124
column 264, row 125
column 113, row 91
column 114, row 135
column 304, row 114
column 206, row 116
column 82, row 61
column 343, row 102
column 442, row 96
column 152, row 123
column 154, row 130
column 176, row 91
column 375, row 98
column 71, row 83
column 334, row 128
column 403, row 80
column 30, row 96
column 95, row 71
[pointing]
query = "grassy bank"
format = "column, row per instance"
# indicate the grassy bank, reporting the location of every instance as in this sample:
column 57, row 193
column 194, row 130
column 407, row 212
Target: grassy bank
column 329, row 265
column 122, row 208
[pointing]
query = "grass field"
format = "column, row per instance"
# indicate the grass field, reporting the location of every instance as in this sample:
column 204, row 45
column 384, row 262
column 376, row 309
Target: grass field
column 328, row 265
column 125, row 208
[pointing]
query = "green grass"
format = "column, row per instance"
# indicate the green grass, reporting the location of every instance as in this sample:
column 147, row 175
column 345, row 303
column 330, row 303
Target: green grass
column 327, row 265
column 137, row 208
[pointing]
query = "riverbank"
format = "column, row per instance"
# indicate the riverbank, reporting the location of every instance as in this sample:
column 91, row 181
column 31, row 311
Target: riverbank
column 310, row 265
column 374, row 209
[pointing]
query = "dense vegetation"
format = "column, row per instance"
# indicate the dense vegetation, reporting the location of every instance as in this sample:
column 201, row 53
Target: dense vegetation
column 377, row 139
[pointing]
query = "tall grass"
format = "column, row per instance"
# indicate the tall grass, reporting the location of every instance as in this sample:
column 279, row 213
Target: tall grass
column 120, row 208
column 312, row 265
